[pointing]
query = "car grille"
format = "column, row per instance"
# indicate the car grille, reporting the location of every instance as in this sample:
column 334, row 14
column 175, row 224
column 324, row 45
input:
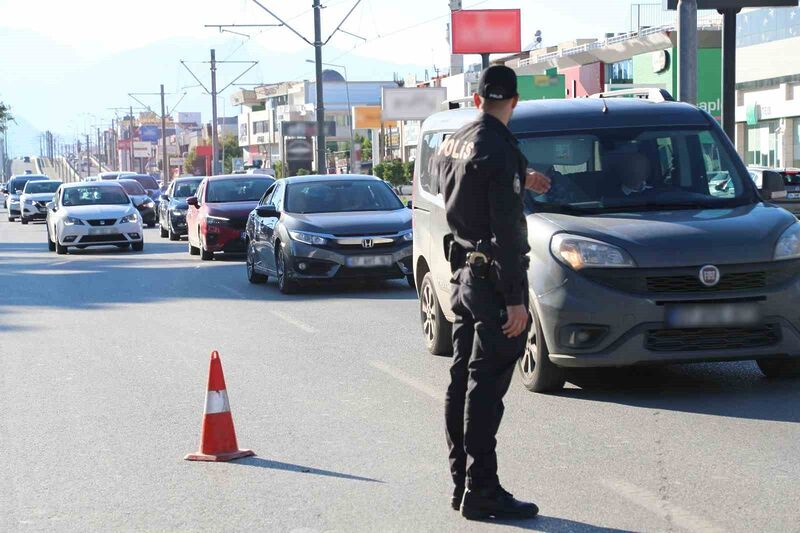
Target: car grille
column 114, row 237
column 737, row 281
column 41, row 205
column 702, row 339
column 102, row 222
column 733, row 278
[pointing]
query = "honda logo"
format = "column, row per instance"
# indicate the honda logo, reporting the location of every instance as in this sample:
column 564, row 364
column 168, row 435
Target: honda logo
column 367, row 243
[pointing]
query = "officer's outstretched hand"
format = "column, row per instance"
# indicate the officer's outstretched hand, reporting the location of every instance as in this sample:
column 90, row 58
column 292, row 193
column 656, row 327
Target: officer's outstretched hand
column 517, row 321
column 537, row 182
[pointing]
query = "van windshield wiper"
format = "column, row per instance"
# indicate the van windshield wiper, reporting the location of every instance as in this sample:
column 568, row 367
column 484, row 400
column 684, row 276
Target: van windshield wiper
column 543, row 207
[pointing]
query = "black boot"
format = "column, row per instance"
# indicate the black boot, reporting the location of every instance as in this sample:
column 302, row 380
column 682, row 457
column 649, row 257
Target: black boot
column 497, row 503
column 458, row 496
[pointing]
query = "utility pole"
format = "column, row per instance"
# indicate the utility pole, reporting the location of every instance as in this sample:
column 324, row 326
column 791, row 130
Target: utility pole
column 729, row 72
column 322, row 164
column 164, row 156
column 687, row 51
column 88, row 157
column 97, row 150
column 214, row 139
column 130, row 139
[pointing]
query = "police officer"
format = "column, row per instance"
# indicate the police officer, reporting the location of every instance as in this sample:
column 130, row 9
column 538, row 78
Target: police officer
column 483, row 173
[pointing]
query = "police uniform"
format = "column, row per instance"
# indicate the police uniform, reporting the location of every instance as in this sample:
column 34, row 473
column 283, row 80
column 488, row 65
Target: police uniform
column 482, row 175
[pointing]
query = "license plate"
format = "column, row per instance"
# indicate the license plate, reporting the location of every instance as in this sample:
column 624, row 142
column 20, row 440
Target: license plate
column 367, row 261
column 102, row 231
column 712, row 315
column 793, row 196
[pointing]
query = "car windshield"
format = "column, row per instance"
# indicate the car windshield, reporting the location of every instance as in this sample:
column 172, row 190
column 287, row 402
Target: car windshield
column 18, row 184
column 38, row 187
column 133, row 188
column 621, row 170
column 237, row 190
column 185, row 189
column 341, row 196
column 94, row 195
column 148, row 182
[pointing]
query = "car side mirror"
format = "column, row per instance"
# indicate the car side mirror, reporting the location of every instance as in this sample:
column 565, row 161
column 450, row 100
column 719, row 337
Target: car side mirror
column 773, row 186
column 51, row 206
column 410, row 204
column 165, row 198
column 192, row 200
column 267, row 211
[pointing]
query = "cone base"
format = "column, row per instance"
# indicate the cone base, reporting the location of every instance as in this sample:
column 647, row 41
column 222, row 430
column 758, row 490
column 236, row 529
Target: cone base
column 220, row 457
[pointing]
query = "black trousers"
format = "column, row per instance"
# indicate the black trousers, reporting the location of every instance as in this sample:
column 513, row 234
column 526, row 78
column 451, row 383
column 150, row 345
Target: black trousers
column 483, row 365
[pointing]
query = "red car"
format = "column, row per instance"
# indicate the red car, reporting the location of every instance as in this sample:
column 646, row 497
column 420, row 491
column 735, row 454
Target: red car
column 216, row 217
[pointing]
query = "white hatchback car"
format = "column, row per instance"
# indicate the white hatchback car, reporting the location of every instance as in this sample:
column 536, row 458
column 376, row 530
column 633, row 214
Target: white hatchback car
column 93, row 214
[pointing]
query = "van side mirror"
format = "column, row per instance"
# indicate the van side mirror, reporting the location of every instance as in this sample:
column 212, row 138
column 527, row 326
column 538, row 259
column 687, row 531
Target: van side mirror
column 410, row 204
column 192, row 200
column 267, row 211
column 773, row 187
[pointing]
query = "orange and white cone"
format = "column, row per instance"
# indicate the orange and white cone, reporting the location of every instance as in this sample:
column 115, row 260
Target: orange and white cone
column 218, row 438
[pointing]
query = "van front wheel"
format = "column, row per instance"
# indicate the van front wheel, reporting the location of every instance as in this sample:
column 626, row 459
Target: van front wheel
column 538, row 373
column 437, row 329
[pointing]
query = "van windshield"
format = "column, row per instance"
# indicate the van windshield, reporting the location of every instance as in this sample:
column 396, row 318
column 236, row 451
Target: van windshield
column 621, row 170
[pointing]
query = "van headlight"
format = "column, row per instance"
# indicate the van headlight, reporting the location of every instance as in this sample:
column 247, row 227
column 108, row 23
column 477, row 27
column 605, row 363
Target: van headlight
column 408, row 236
column 788, row 246
column 308, row 238
column 582, row 252
column 133, row 218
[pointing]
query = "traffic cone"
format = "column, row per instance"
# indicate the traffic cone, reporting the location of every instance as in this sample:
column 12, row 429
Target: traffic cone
column 218, row 438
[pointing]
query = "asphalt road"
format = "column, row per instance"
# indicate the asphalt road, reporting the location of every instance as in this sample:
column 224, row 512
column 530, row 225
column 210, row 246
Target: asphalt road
column 104, row 354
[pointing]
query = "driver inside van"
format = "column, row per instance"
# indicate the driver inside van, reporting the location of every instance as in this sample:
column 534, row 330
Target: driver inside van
column 635, row 172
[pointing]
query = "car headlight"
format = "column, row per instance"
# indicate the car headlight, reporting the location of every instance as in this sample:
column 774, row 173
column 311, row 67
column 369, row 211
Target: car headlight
column 179, row 212
column 408, row 236
column 582, row 252
column 28, row 202
column 148, row 203
column 308, row 238
column 788, row 246
column 216, row 221
column 129, row 219
column 72, row 221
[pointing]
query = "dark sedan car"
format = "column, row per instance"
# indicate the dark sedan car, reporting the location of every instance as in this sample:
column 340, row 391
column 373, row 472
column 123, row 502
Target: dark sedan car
column 218, row 213
column 173, row 206
column 148, row 182
column 143, row 203
column 313, row 228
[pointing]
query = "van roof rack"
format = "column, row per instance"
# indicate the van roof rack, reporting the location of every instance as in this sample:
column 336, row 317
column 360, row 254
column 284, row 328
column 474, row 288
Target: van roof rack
column 458, row 103
column 650, row 94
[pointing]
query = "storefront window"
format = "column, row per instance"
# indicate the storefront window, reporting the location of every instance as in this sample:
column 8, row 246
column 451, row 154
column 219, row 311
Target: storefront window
column 762, row 144
column 621, row 72
column 796, row 162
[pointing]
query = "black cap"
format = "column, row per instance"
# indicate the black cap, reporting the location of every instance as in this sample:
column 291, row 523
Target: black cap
column 498, row 82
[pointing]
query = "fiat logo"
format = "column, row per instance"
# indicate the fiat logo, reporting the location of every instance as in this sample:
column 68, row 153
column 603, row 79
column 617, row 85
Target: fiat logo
column 709, row 275
column 367, row 243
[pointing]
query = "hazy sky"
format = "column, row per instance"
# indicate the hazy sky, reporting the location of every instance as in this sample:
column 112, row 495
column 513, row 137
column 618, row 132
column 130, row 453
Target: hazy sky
column 94, row 28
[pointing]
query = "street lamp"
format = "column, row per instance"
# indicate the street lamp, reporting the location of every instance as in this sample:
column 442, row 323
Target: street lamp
column 349, row 108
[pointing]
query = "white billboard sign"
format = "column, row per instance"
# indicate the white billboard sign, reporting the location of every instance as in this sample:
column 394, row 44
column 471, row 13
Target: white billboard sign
column 177, row 161
column 183, row 117
column 142, row 149
column 412, row 103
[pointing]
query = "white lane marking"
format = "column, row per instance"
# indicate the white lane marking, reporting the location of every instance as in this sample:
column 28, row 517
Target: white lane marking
column 666, row 510
column 233, row 291
column 294, row 322
column 58, row 263
column 217, row 402
column 412, row 382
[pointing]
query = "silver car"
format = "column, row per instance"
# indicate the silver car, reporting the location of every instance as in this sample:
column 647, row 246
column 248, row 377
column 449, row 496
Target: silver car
column 638, row 255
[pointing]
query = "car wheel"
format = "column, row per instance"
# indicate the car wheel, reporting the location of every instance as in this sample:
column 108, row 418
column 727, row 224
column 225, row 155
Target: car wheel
column 164, row 232
column 24, row 221
column 50, row 244
column 138, row 246
column 173, row 236
column 538, row 373
column 252, row 275
column 60, row 249
column 437, row 329
column 779, row 368
column 285, row 285
column 193, row 250
column 10, row 218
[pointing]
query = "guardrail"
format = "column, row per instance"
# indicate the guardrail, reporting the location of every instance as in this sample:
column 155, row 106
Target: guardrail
column 66, row 169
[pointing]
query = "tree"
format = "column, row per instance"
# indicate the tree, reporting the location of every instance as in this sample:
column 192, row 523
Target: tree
column 302, row 172
column 5, row 117
column 393, row 171
column 188, row 164
column 230, row 151
column 366, row 146
column 277, row 166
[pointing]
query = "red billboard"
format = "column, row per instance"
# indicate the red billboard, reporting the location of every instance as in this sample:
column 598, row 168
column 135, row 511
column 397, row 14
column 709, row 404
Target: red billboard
column 486, row 31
